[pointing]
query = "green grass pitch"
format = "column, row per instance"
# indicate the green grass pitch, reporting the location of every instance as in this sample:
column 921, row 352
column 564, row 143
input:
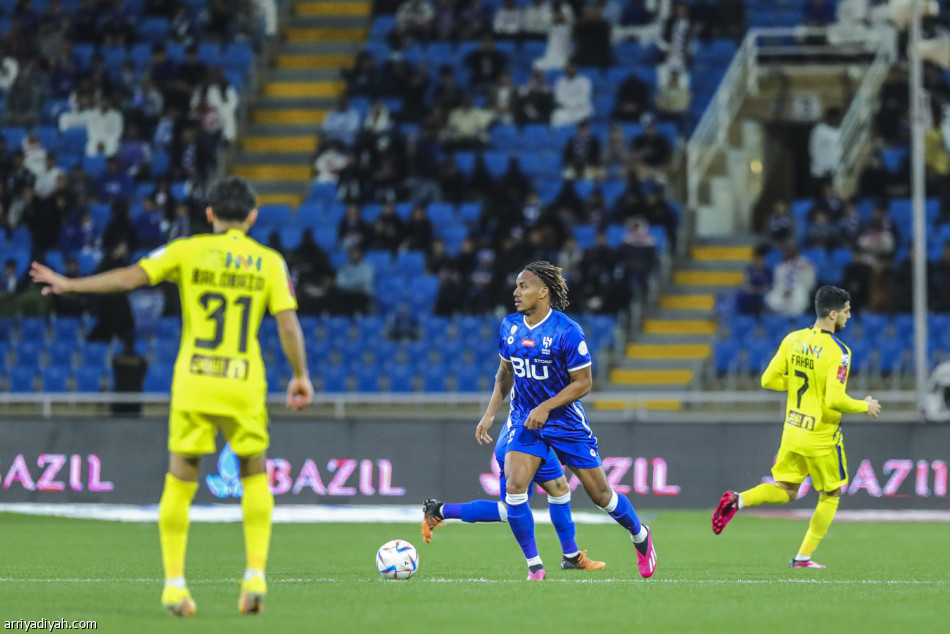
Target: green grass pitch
column 880, row 578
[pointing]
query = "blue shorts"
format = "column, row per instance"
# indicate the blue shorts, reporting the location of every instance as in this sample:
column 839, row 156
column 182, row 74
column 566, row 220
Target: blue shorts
column 575, row 448
column 550, row 468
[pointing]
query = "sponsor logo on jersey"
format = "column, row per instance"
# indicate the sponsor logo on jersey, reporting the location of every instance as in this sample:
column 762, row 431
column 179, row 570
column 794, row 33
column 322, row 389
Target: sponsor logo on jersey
column 243, row 262
column 527, row 342
column 290, row 287
column 845, row 360
column 842, row 373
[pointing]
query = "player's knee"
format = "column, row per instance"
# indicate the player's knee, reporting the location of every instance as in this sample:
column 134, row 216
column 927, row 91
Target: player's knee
column 514, row 499
column 601, row 496
column 560, row 499
column 791, row 489
column 513, row 486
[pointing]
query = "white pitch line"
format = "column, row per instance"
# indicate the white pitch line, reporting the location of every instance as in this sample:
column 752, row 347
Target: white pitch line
column 847, row 582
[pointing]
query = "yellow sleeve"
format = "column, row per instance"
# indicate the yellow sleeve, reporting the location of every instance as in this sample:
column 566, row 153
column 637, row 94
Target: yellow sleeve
column 281, row 295
column 775, row 376
column 163, row 263
column 836, row 380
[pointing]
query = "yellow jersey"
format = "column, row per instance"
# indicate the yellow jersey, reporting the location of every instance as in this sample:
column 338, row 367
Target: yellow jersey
column 812, row 365
column 226, row 282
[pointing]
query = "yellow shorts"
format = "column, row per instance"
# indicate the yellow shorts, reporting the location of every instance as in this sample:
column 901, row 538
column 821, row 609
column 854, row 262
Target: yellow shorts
column 828, row 472
column 192, row 433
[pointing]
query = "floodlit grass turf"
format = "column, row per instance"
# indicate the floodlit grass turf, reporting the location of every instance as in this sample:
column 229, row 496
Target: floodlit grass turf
column 880, row 578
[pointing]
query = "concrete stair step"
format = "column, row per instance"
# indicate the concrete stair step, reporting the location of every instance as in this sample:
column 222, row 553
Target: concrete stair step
column 716, row 278
column 309, row 74
column 338, row 7
column 279, row 198
column 650, row 365
column 304, row 88
column 679, row 314
column 297, row 103
column 321, row 47
column 737, row 253
column 667, row 351
column 300, row 173
column 290, row 116
column 274, row 158
column 649, row 404
column 307, row 61
column 310, row 34
column 679, row 326
column 687, row 301
column 280, row 145
column 281, row 130
column 668, row 339
column 674, row 377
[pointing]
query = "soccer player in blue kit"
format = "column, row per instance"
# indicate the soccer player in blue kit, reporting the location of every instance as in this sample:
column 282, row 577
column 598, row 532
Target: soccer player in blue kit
column 546, row 369
column 550, row 477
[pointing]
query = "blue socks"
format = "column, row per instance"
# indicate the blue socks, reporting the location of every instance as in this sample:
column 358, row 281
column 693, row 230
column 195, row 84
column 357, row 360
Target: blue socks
column 475, row 511
column 560, row 510
column 622, row 511
column 522, row 523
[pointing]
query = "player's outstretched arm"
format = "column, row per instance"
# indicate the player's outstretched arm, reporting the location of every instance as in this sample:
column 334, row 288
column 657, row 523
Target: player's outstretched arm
column 114, row 281
column 874, row 407
column 300, row 389
column 504, row 379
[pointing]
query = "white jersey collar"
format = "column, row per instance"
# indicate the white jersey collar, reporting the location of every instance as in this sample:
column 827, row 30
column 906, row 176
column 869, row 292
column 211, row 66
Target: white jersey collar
column 524, row 320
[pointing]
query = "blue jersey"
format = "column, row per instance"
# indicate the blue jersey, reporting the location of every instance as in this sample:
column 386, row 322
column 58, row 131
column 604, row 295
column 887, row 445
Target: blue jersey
column 542, row 358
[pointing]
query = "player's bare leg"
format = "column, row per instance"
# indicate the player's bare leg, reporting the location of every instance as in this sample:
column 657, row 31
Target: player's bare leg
column 181, row 484
column 765, row 493
column 619, row 507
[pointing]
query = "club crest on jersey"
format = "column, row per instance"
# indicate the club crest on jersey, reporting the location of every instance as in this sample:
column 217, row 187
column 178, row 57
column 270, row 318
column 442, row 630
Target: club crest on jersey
column 527, row 342
column 513, row 329
column 242, row 262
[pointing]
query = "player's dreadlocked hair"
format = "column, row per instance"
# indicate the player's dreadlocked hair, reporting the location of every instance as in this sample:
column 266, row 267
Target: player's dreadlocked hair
column 551, row 277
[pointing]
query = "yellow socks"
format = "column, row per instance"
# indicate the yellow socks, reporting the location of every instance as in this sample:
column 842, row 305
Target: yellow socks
column 173, row 524
column 820, row 521
column 257, row 505
column 764, row 494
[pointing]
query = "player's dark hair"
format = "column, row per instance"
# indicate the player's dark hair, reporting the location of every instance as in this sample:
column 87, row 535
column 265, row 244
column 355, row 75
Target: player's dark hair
column 829, row 298
column 551, row 277
column 232, row 199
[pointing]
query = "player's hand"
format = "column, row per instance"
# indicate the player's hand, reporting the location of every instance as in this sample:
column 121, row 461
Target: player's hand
column 481, row 430
column 874, row 407
column 537, row 417
column 55, row 283
column 299, row 392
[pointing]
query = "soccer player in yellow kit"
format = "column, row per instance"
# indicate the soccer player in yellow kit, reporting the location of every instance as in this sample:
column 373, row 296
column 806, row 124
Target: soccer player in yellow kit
column 226, row 281
column 812, row 366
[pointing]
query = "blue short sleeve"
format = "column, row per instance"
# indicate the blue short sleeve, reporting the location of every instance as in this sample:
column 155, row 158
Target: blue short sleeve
column 574, row 349
column 502, row 343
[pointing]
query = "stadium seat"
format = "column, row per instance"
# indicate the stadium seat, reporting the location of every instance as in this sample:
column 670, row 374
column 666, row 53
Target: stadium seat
column 411, row 262
column 28, row 353
column 238, row 56
column 434, row 379
column 759, row 352
column 21, row 379
column 336, row 328
column 400, row 379
column 61, row 353
column 367, row 379
column 54, row 379
column 209, row 53
column 726, row 356
column 504, row 136
column 158, row 379
column 153, row 29
column 166, row 351
column 309, row 215
column 88, row 379
column 290, row 237
column 873, row 325
column 467, row 378
column 14, row 137
column 890, row 355
column 94, row 354
column 496, row 162
column 435, row 327
column 469, row 213
column 33, row 329
column 334, row 379
column 441, row 214
column 274, row 214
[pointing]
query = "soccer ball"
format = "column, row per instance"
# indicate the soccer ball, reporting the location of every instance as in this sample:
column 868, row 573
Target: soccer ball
column 397, row 559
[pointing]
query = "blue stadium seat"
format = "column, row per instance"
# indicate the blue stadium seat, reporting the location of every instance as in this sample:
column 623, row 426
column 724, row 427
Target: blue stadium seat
column 441, row 214
column 873, row 325
column 158, row 379
column 584, row 235
column 166, row 351
column 32, row 329
column 94, row 354
column 433, row 379
column 337, row 328
column 817, row 256
column 434, row 326
column 61, row 353
column 290, row 237
column 275, row 214
column 325, row 192
column 48, row 136
column 73, row 141
column 400, row 379
column 334, row 379
column 153, row 29
column 775, row 325
column 465, row 162
column 469, row 213
column 367, row 379
column 168, row 328
column 496, row 162
column 309, row 214
column 380, row 260
column 382, row 25
column 28, row 353
column 54, row 379
column 759, row 353
column 14, row 137
column 467, row 378
column 891, row 355
column 21, row 379
column 6, row 329
column 82, row 55
column 453, row 235
column 94, row 166
column 209, row 53
column 726, row 355
column 504, row 136
column 88, row 379
column 411, row 262
column 238, row 56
